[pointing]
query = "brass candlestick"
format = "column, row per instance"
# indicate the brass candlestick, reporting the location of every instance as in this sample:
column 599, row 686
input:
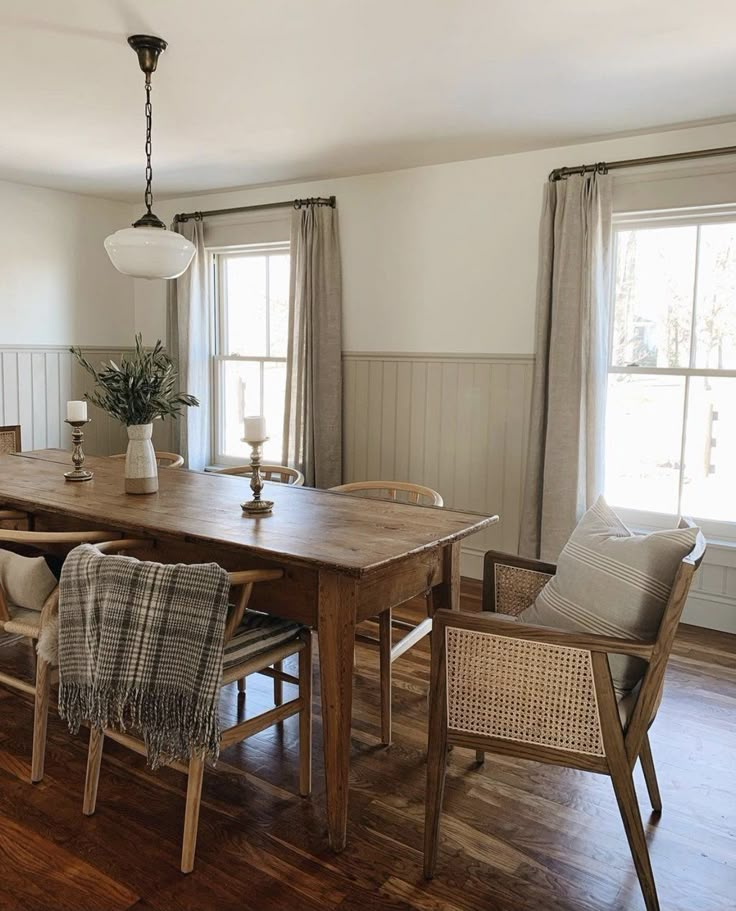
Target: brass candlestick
column 256, row 506
column 79, row 473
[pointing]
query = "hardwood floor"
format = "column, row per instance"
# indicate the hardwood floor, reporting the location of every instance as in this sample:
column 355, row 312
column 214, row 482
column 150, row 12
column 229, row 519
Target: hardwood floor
column 516, row 836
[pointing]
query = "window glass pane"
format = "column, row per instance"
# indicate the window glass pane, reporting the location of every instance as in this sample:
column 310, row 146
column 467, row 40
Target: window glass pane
column 278, row 279
column 240, row 395
column 654, row 283
column 709, row 488
column 715, row 315
column 643, row 439
column 246, row 305
column 274, row 393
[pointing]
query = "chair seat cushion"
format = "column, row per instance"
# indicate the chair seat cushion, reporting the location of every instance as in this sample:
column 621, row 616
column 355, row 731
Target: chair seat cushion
column 613, row 582
column 258, row 633
column 26, row 581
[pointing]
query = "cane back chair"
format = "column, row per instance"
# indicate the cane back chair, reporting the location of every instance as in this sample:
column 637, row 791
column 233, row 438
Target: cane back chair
column 389, row 652
column 10, row 442
column 538, row 693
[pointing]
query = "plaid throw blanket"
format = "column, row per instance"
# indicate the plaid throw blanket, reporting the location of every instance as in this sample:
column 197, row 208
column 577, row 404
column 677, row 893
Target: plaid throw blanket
column 140, row 645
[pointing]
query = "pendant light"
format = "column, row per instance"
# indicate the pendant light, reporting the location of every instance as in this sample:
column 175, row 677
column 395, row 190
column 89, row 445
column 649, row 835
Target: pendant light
column 148, row 250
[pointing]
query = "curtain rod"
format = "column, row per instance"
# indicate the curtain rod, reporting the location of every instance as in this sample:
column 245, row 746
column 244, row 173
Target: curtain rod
column 330, row 201
column 603, row 167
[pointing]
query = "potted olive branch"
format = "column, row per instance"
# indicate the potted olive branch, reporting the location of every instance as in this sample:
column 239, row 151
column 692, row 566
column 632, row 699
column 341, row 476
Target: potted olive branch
column 140, row 390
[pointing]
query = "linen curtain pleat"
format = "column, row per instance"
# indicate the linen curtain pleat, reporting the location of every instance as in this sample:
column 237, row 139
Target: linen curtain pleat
column 313, row 408
column 565, row 470
column 189, row 340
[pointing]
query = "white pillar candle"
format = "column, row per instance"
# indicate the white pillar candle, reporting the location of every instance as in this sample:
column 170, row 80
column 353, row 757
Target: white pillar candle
column 254, row 429
column 76, row 411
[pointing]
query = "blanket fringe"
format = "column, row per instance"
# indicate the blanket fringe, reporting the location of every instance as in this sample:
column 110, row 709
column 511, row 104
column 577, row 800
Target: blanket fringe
column 175, row 726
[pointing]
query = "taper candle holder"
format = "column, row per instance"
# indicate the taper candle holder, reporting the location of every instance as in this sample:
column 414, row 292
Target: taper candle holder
column 256, row 506
column 79, row 473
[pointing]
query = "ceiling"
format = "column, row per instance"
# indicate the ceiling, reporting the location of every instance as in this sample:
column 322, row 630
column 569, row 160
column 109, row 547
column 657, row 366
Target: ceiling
column 256, row 92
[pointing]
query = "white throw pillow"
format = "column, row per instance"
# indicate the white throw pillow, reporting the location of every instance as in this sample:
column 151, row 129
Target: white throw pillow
column 613, row 582
column 26, row 581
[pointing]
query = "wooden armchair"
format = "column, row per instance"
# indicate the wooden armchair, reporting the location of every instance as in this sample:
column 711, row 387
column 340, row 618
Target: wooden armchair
column 240, row 660
column 282, row 474
column 418, row 495
column 544, row 694
column 163, row 459
column 29, row 623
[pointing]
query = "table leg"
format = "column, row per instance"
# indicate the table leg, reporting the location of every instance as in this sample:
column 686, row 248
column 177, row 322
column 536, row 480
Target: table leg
column 336, row 613
column 446, row 595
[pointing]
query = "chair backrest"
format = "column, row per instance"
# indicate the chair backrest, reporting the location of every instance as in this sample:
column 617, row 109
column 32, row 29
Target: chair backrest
column 651, row 686
column 280, row 473
column 403, row 491
column 33, row 543
column 10, row 439
column 163, row 459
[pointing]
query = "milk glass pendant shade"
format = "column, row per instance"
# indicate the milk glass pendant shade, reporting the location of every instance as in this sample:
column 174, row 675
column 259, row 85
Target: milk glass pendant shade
column 149, row 252
column 147, row 249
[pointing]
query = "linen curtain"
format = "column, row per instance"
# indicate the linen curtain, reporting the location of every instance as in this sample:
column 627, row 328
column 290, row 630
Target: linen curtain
column 189, row 340
column 313, row 408
column 564, row 472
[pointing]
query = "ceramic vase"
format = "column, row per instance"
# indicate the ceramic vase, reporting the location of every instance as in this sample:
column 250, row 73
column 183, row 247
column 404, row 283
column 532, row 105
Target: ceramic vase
column 141, row 468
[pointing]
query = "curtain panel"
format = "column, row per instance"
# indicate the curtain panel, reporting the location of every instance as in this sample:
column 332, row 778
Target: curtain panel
column 313, row 409
column 190, row 342
column 565, row 470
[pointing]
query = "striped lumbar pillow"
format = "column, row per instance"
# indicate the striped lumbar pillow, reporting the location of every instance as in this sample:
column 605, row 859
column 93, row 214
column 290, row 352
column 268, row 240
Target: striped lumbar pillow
column 613, row 582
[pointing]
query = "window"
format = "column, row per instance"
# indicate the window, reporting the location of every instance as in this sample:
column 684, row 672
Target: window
column 252, row 305
column 671, row 410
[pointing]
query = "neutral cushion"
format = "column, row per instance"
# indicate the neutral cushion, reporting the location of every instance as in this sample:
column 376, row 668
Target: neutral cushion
column 258, row 633
column 613, row 582
column 26, row 581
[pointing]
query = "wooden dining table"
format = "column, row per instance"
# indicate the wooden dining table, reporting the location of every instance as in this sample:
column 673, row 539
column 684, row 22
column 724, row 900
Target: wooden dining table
column 345, row 558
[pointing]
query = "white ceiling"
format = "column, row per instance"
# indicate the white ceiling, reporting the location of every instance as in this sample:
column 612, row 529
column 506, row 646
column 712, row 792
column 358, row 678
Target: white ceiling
column 255, row 92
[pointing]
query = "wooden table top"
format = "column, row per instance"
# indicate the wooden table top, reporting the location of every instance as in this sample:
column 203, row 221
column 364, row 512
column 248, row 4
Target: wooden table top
column 350, row 534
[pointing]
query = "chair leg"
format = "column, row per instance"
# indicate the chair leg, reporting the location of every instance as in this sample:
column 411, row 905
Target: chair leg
column 436, row 773
column 191, row 816
column 278, row 685
column 241, row 686
column 305, row 718
column 650, row 776
column 384, row 648
column 40, row 718
column 480, row 757
column 623, row 785
column 94, row 760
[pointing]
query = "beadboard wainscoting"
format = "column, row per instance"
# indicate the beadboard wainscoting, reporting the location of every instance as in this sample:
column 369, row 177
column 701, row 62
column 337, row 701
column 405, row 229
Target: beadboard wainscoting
column 457, row 423
column 35, row 385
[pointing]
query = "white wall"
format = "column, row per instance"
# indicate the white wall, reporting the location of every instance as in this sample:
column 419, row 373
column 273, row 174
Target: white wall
column 57, row 285
column 440, row 258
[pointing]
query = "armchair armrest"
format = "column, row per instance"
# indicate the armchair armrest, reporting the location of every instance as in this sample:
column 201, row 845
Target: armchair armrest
column 511, row 583
column 502, row 626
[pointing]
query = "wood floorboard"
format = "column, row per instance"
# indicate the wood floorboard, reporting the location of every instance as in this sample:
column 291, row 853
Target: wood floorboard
column 516, row 836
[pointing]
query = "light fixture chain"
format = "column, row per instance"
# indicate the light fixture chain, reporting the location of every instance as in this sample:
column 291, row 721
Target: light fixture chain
column 148, row 197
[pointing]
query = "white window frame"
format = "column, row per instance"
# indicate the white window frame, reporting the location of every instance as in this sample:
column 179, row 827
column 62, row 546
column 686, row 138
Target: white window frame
column 717, row 531
column 221, row 355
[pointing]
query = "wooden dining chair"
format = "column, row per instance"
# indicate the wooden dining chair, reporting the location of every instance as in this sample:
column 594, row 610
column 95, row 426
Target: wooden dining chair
column 163, row 459
column 280, row 473
column 416, row 494
column 28, row 623
column 10, row 443
column 533, row 692
column 241, row 658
